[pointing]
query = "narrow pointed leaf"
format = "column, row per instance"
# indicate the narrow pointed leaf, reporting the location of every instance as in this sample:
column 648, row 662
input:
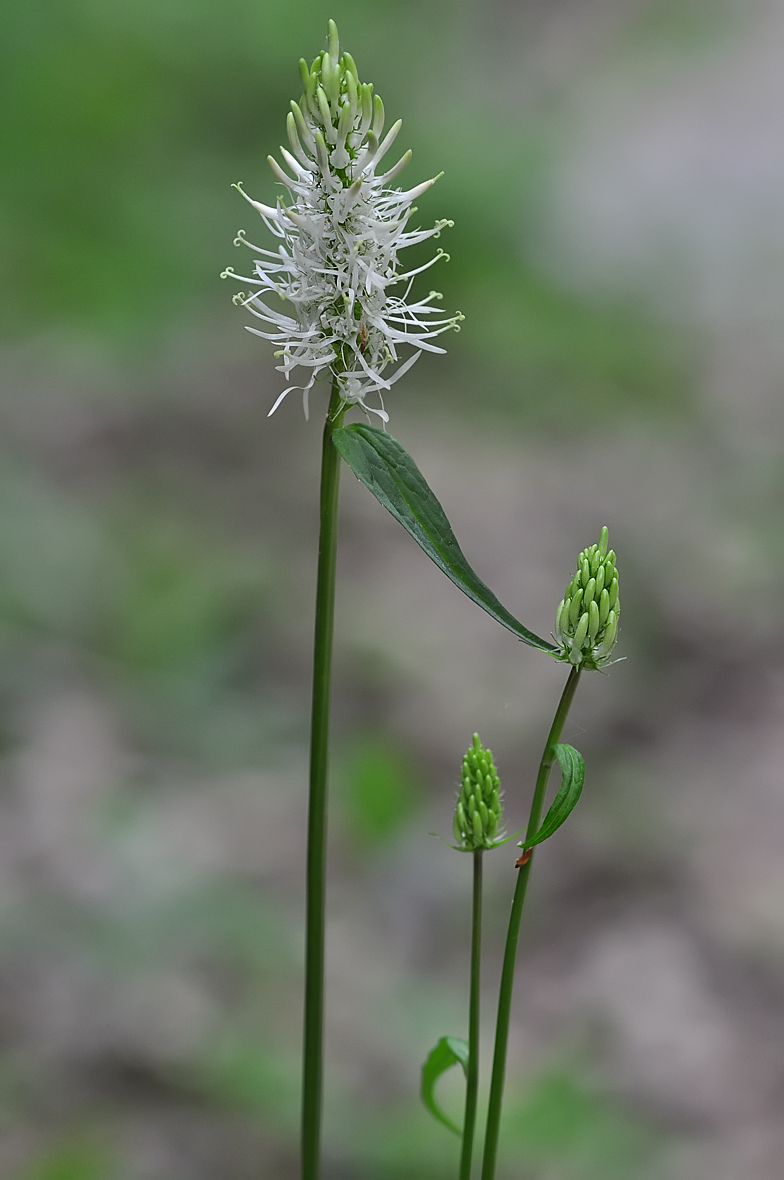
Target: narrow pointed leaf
column 448, row 1052
column 393, row 477
column 572, row 778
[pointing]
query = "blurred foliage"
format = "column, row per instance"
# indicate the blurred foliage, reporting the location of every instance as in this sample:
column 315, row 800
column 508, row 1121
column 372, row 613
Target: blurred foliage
column 76, row 1156
column 379, row 790
column 560, row 1128
column 131, row 119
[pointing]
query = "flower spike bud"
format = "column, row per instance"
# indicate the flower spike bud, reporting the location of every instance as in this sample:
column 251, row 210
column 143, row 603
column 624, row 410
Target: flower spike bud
column 279, row 173
column 586, row 621
column 322, row 155
column 294, row 143
column 604, row 607
column 613, row 592
column 388, row 140
column 303, row 130
column 371, row 147
column 366, row 102
column 558, row 616
column 333, row 42
column 294, row 164
column 330, row 79
column 340, row 157
column 396, row 169
column 351, row 90
column 378, row 116
column 478, row 811
column 304, row 74
column 330, row 134
column 574, row 608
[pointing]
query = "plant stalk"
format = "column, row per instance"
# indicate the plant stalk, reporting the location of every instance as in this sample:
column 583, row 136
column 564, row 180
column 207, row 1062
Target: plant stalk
column 313, row 1038
column 472, row 1069
column 510, row 953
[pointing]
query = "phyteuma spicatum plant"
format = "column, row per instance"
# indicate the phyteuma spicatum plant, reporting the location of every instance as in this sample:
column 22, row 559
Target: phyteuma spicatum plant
column 340, row 226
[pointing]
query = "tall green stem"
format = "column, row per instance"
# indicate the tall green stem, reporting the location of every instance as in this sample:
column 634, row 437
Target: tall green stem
column 313, row 1041
column 472, row 1070
column 510, row 953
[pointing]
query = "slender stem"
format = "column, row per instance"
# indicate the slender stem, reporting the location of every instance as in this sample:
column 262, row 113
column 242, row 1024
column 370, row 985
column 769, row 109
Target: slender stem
column 472, row 1070
column 510, row 954
column 313, row 1050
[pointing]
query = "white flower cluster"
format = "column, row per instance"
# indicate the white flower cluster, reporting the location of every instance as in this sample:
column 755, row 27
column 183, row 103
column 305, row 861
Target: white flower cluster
column 340, row 232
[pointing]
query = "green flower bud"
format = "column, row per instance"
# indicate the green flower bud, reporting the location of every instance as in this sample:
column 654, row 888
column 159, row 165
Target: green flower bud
column 303, row 131
column 586, row 622
column 333, row 41
column 350, row 67
column 604, row 607
column 378, row 116
column 296, row 146
column 478, row 811
column 613, row 592
column 326, row 114
column 574, row 609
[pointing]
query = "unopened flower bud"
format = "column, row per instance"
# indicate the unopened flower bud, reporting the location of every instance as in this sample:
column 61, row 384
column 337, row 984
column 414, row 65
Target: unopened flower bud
column 478, row 811
column 586, row 622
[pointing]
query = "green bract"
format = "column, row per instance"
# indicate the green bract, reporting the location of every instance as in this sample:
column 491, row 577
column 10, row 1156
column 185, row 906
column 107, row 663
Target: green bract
column 478, row 812
column 586, row 622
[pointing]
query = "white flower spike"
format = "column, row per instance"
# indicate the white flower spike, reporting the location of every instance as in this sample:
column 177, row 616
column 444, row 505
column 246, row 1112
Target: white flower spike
column 340, row 227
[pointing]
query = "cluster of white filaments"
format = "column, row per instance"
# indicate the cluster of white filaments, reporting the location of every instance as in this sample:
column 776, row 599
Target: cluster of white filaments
column 340, row 231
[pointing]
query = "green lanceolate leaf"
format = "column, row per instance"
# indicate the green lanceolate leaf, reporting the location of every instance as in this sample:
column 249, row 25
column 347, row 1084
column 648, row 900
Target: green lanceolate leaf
column 572, row 779
column 448, row 1052
column 393, row 477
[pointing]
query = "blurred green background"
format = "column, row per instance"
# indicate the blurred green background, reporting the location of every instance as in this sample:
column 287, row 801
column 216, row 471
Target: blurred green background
column 614, row 171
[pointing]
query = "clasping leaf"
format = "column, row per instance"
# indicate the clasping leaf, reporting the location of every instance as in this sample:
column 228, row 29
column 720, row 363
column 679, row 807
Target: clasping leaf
column 572, row 779
column 448, row 1052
